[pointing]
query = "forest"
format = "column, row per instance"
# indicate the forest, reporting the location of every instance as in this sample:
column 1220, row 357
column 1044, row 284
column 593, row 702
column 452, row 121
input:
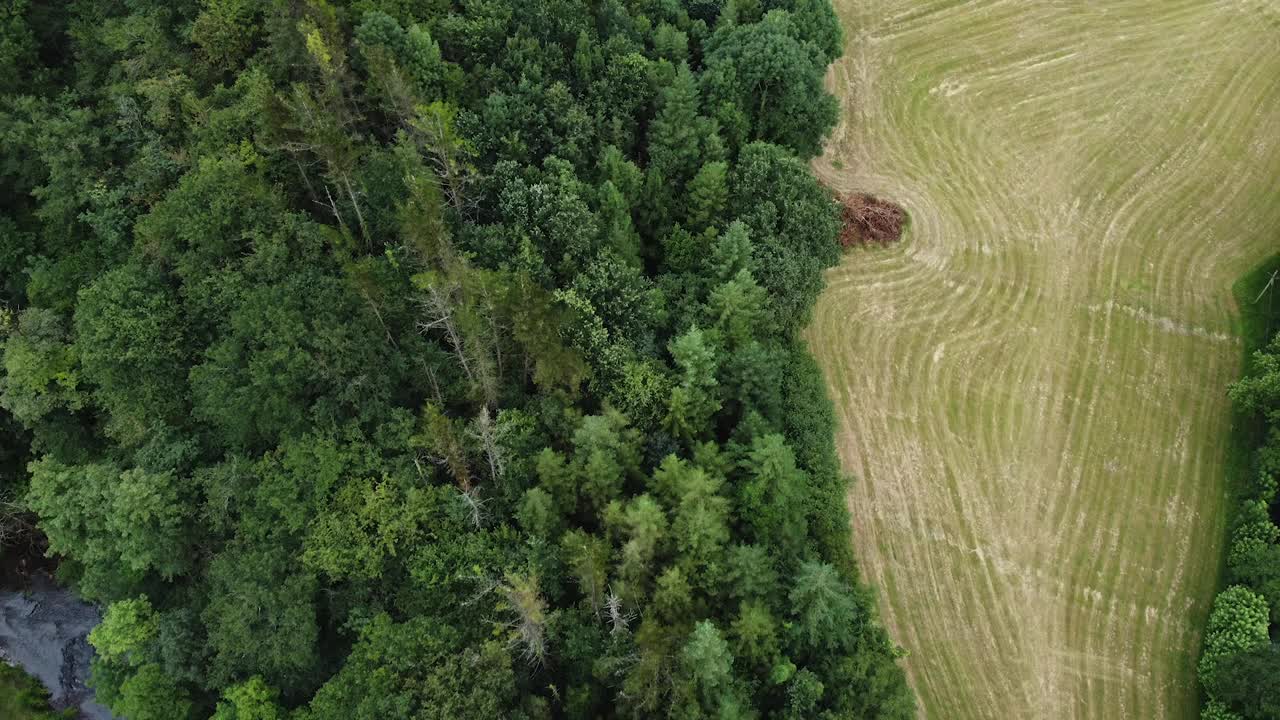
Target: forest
column 1239, row 666
column 376, row 359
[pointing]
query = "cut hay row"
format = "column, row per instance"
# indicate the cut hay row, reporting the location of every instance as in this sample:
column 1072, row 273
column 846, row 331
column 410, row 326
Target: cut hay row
column 1030, row 385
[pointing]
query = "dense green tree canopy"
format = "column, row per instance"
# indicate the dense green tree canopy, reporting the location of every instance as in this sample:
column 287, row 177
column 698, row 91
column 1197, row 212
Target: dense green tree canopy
column 385, row 359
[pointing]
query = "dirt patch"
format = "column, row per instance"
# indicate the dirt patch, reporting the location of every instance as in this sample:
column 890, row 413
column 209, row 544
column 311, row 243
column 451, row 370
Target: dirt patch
column 23, row 552
column 867, row 219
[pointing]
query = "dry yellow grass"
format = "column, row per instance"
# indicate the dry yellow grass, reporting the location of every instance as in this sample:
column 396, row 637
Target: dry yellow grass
column 1030, row 386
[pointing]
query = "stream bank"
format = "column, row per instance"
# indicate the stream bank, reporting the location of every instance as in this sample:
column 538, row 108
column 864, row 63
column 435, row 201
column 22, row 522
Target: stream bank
column 43, row 630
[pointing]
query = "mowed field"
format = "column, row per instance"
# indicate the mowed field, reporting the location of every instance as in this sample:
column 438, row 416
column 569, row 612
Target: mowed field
column 1031, row 386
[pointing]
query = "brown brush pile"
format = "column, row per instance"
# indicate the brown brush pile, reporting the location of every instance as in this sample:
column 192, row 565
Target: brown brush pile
column 868, row 219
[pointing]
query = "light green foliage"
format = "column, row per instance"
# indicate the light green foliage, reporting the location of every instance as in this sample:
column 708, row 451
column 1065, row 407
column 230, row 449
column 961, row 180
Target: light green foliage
column 1254, row 532
column 707, row 661
column 1214, row 710
column 1237, row 623
column 701, row 526
column 151, row 694
column 42, row 372
column 803, row 693
column 1259, row 570
column 737, row 308
column 22, row 697
column 644, row 525
column 754, row 635
column 1265, row 483
column 587, row 558
column 250, row 700
column 119, row 524
column 696, row 359
column 225, row 30
column 215, row 213
column 677, row 133
column 772, row 502
column 673, row 597
column 615, row 222
column 523, row 601
column 1259, row 392
column 146, row 514
column 127, row 630
column 364, row 526
column 538, row 515
column 621, row 297
column 732, row 252
column 605, row 454
column 1238, row 664
column 641, row 393
column 708, row 196
column 695, row 399
column 671, row 43
column 751, row 573
column 825, row 611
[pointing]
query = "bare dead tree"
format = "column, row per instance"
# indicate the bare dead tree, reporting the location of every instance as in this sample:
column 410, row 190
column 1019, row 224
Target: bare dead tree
column 438, row 310
column 447, row 153
column 474, row 503
column 495, row 327
column 529, row 610
column 15, row 523
column 432, row 378
column 489, row 436
column 1271, row 281
column 333, row 208
column 321, row 129
column 439, row 443
column 484, row 585
column 619, row 620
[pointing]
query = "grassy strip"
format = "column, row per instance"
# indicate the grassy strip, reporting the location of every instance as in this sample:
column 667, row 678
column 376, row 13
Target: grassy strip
column 1259, row 319
column 22, row 697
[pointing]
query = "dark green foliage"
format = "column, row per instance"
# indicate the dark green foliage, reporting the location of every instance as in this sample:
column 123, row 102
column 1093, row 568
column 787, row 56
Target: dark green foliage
column 132, row 349
column 791, row 220
column 417, row 669
column 387, row 359
column 1246, row 683
column 764, row 81
column 261, row 617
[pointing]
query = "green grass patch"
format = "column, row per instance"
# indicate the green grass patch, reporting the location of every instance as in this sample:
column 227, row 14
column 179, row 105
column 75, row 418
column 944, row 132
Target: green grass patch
column 22, row 697
column 1259, row 312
